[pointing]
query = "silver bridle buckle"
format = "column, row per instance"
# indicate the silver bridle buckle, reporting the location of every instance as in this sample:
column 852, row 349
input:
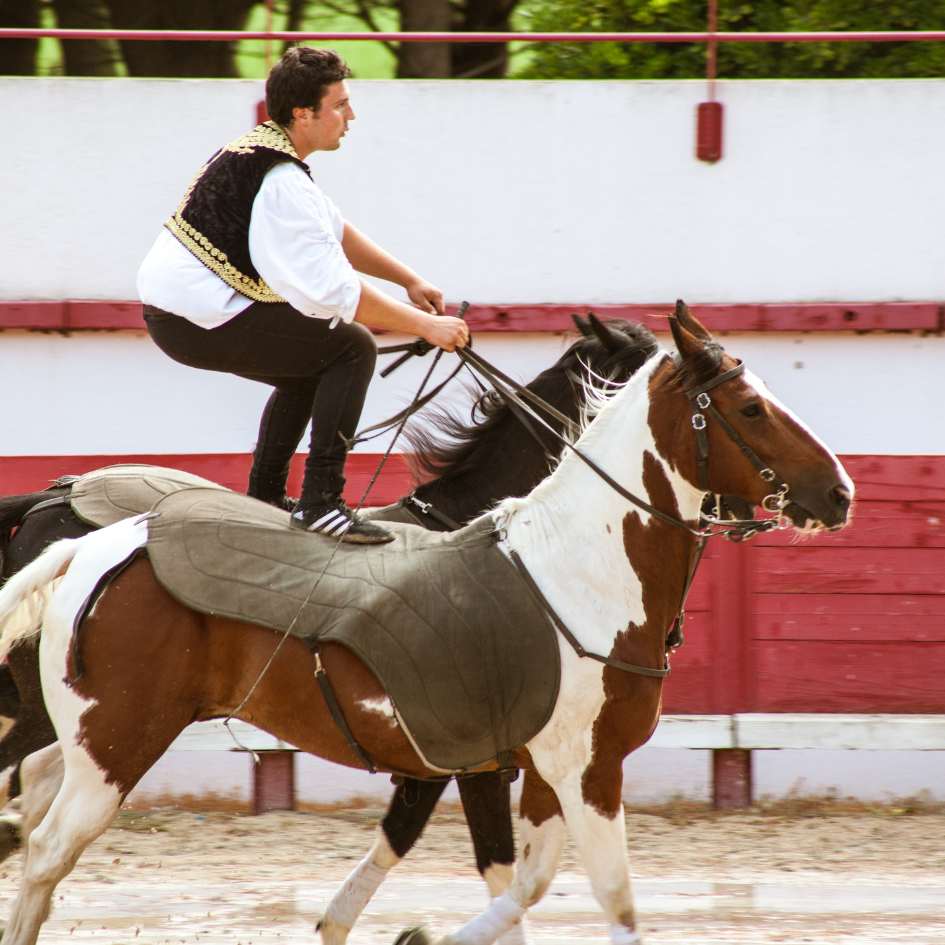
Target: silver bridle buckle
column 703, row 400
column 698, row 421
column 776, row 503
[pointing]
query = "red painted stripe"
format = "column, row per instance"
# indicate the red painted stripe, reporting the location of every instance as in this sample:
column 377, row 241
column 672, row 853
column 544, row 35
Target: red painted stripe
column 83, row 315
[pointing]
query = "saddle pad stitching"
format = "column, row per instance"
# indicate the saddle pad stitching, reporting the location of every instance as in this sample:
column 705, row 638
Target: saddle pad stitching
column 505, row 709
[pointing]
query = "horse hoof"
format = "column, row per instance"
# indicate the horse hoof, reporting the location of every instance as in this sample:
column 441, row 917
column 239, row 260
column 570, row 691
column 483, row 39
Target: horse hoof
column 415, row 936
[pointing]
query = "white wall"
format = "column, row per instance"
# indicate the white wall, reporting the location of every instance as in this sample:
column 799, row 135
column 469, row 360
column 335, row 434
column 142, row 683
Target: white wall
column 115, row 392
column 514, row 191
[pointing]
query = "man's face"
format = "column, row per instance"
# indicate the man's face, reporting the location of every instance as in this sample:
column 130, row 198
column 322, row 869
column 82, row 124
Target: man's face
column 324, row 129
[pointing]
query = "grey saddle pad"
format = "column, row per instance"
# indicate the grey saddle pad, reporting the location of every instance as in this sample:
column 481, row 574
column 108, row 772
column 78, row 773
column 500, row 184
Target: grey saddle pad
column 466, row 653
column 112, row 493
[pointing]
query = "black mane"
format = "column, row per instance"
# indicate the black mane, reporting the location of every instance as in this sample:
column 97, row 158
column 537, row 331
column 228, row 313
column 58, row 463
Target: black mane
column 451, row 445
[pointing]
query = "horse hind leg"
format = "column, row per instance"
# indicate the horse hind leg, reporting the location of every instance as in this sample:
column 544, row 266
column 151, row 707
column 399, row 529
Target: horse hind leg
column 85, row 805
column 407, row 815
column 486, row 802
column 540, row 840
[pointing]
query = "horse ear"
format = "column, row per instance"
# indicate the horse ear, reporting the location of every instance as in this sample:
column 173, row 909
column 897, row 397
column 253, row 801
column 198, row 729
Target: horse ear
column 687, row 344
column 581, row 325
column 689, row 321
column 610, row 339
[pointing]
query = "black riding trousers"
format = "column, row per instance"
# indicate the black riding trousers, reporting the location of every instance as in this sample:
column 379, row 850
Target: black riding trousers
column 318, row 373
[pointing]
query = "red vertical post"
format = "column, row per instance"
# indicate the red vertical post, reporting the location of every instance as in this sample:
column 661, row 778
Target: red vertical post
column 732, row 668
column 274, row 781
column 731, row 779
column 709, row 115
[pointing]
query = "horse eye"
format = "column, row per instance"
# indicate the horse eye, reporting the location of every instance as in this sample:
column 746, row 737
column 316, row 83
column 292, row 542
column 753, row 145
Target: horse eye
column 752, row 410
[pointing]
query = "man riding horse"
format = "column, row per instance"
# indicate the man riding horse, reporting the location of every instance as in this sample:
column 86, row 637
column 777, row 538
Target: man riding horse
column 255, row 274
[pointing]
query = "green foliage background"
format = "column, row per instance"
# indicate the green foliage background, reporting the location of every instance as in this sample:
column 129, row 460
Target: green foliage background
column 643, row 61
column 735, row 60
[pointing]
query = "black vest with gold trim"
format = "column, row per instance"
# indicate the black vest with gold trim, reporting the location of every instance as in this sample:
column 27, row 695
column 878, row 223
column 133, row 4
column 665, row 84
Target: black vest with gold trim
column 212, row 220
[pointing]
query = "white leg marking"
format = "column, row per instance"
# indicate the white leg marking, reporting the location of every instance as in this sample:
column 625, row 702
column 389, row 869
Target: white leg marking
column 602, row 845
column 356, row 892
column 503, row 913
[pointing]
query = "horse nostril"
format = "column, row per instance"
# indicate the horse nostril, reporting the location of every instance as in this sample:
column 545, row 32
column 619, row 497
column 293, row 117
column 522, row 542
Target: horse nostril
column 840, row 496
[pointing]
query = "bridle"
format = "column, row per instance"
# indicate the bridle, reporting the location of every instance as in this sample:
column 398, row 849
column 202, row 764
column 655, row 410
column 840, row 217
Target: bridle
column 775, row 502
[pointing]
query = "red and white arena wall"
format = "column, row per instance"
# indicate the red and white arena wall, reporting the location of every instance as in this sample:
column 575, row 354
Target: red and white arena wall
column 814, row 245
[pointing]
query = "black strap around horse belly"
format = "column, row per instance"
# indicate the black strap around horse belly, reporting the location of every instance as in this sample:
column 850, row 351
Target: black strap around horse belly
column 573, row 640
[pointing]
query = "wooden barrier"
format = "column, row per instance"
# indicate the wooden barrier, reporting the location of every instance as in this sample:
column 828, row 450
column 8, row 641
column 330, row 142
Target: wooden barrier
column 731, row 738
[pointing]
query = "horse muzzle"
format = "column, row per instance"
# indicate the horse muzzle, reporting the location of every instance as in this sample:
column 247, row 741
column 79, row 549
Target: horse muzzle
column 818, row 510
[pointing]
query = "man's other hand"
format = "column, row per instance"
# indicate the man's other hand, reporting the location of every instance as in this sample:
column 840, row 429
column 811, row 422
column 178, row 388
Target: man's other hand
column 425, row 296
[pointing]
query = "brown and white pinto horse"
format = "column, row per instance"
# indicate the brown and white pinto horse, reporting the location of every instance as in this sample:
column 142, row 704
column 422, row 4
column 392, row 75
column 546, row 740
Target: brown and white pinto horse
column 612, row 571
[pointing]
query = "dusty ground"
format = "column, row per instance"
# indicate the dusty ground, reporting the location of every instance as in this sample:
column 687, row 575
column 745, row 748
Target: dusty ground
column 790, row 874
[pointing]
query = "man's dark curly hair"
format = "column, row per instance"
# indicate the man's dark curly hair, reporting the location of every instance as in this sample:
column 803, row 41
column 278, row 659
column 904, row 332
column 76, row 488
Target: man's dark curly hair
column 299, row 80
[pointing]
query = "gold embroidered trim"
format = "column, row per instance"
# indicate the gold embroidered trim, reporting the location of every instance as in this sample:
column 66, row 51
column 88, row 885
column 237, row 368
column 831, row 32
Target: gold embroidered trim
column 267, row 135
column 216, row 261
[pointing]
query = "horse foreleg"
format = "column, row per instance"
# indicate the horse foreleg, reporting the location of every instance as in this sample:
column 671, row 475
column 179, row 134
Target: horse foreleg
column 407, row 815
column 83, row 808
column 595, row 819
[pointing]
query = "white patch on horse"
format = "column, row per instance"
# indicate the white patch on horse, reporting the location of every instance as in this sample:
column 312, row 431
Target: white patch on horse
column 98, row 553
column 574, row 507
column 381, row 707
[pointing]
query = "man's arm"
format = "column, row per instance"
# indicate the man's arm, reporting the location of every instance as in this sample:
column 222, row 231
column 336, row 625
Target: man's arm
column 368, row 258
column 378, row 310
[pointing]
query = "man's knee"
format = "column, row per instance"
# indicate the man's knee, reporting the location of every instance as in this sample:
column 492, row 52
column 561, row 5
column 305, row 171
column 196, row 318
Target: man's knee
column 363, row 347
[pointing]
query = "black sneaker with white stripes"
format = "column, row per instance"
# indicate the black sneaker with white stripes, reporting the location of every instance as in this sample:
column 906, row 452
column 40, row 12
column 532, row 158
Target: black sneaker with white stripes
column 332, row 517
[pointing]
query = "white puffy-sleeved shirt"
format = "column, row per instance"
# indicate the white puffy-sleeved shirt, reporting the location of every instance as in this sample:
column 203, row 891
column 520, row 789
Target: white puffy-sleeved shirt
column 295, row 234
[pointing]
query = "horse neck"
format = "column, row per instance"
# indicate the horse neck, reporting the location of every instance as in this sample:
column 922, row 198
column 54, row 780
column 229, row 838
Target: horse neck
column 583, row 541
column 508, row 460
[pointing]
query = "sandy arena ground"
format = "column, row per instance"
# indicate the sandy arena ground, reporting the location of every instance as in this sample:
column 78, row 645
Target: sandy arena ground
column 793, row 874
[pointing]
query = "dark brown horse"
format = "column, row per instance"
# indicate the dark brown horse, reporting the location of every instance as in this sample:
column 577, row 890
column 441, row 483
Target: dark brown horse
column 611, row 559
column 476, row 463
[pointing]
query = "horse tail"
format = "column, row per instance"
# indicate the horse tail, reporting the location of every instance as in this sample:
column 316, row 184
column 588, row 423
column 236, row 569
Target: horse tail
column 26, row 595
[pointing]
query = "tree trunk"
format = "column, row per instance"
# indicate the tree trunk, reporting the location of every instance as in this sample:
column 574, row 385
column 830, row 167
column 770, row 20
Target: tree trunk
column 424, row 60
column 81, row 57
column 483, row 60
column 181, row 58
column 18, row 56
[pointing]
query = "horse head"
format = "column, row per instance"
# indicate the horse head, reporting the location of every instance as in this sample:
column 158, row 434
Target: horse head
column 729, row 435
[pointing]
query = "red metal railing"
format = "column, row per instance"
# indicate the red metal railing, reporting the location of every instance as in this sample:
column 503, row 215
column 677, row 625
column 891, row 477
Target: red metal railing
column 858, row 36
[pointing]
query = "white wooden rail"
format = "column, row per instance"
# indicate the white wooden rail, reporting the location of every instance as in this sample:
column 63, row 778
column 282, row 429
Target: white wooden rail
column 731, row 738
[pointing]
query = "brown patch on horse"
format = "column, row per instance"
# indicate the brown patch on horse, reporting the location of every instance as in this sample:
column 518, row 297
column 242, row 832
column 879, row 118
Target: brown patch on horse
column 659, row 555
column 176, row 666
column 539, row 801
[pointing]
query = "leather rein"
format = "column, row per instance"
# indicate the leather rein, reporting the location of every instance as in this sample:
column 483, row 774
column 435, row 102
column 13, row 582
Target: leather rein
column 710, row 527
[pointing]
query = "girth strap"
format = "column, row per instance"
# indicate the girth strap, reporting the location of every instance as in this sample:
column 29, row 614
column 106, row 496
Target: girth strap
column 573, row 640
column 338, row 717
